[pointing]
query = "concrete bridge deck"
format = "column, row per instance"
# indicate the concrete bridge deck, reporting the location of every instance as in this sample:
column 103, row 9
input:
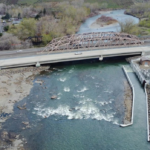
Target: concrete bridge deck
column 70, row 56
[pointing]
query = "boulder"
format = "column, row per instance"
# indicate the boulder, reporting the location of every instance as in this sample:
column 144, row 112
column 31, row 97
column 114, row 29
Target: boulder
column 54, row 97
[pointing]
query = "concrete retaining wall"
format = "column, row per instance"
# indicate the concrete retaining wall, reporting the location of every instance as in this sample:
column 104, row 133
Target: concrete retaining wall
column 136, row 69
column 133, row 97
column 141, row 79
column 147, row 112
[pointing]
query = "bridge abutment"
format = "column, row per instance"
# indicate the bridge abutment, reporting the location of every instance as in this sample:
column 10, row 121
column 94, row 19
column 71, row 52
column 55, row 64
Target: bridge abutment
column 38, row 64
column 143, row 53
column 100, row 58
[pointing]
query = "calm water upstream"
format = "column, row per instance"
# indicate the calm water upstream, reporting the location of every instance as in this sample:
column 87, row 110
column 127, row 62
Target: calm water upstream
column 116, row 14
column 87, row 112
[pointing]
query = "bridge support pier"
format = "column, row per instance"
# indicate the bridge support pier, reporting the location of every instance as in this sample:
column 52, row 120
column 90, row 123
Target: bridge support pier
column 38, row 64
column 143, row 53
column 100, row 58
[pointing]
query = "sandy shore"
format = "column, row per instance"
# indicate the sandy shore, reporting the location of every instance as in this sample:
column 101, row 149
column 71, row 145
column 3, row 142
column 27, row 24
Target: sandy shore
column 98, row 24
column 15, row 85
column 95, row 25
column 127, row 102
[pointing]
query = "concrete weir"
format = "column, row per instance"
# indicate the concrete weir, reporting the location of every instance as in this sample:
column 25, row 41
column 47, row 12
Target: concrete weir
column 133, row 97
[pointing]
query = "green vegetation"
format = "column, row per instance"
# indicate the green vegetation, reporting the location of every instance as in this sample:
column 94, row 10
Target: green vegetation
column 142, row 11
column 7, row 16
column 145, row 23
column 25, row 29
column 129, row 27
column 111, row 3
column 51, row 23
column 6, row 28
column 56, row 19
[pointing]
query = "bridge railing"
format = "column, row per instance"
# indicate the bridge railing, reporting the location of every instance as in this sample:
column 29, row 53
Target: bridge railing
column 92, row 40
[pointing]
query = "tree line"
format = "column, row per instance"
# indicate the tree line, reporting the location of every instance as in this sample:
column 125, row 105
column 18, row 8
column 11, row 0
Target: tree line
column 48, row 20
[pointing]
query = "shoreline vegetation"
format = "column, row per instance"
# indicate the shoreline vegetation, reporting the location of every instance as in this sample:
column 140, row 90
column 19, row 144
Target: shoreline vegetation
column 15, row 85
column 141, row 11
column 48, row 20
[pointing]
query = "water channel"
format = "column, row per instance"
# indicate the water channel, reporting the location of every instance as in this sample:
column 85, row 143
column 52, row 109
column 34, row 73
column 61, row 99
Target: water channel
column 116, row 14
column 88, row 110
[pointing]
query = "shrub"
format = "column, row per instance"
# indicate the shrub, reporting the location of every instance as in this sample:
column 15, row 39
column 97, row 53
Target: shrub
column 6, row 28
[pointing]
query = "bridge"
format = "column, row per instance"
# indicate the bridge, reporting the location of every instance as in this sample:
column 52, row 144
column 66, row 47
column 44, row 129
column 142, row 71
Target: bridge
column 90, row 45
column 91, row 41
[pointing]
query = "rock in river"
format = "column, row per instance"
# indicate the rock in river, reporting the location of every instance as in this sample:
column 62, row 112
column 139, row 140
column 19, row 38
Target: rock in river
column 54, row 97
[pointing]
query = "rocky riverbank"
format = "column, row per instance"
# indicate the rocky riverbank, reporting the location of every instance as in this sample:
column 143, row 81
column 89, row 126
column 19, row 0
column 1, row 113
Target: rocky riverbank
column 128, row 101
column 15, row 85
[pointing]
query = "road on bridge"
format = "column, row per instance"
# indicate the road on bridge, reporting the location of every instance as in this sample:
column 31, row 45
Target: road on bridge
column 33, row 51
column 70, row 56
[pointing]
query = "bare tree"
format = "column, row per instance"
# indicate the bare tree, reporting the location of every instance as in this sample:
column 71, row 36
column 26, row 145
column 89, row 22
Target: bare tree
column 128, row 27
column 8, row 41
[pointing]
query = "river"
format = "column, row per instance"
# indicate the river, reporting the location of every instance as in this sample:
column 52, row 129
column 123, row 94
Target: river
column 116, row 14
column 87, row 112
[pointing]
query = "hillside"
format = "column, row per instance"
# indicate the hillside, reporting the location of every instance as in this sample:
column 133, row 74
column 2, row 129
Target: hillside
column 111, row 3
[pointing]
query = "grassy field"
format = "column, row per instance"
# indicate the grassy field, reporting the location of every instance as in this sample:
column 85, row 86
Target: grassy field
column 111, row 3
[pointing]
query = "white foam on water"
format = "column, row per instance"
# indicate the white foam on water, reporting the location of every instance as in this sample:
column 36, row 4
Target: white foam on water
column 84, row 101
column 83, row 89
column 71, row 71
column 59, row 94
column 60, row 70
column 62, row 79
column 66, row 89
column 107, row 91
column 78, row 96
column 92, row 77
column 85, row 111
column 102, row 103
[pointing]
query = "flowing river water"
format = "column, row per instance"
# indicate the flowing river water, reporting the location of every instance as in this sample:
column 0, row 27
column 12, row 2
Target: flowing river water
column 87, row 112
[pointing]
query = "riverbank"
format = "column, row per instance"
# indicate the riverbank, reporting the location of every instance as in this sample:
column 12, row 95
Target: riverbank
column 143, row 25
column 15, row 85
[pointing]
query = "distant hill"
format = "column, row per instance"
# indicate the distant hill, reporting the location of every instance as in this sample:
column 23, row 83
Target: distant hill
column 111, row 3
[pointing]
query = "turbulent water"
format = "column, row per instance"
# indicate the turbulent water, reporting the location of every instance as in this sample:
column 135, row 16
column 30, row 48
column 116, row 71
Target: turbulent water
column 88, row 109
column 87, row 112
